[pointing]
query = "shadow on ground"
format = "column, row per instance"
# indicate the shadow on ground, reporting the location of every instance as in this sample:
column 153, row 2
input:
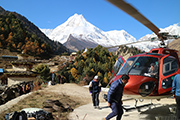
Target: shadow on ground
column 165, row 112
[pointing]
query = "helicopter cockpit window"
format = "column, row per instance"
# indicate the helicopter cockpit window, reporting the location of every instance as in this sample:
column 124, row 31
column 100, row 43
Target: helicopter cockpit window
column 170, row 65
column 126, row 66
column 138, row 66
column 117, row 65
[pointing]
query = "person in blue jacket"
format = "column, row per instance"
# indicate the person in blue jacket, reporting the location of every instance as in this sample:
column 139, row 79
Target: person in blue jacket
column 176, row 93
column 95, row 89
column 114, row 97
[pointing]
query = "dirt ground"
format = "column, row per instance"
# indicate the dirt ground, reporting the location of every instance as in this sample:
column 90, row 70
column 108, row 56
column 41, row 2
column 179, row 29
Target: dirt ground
column 77, row 93
column 68, row 93
column 158, row 111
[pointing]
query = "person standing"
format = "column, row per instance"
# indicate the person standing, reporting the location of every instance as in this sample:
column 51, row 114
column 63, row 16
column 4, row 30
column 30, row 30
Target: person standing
column 114, row 97
column 176, row 93
column 62, row 80
column 58, row 79
column 53, row 78
column 95, row 89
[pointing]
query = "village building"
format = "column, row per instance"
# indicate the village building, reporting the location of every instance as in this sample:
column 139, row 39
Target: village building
column 21, row 70
column 73, row 56
column 8, row 58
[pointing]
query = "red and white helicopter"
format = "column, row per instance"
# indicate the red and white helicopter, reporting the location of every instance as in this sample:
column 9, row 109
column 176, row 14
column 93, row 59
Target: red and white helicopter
column 144, row 85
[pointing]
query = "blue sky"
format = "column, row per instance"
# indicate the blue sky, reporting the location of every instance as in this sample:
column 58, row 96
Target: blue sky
column 51, row 13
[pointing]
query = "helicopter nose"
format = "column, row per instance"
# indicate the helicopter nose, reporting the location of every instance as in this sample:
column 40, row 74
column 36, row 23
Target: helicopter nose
column 146, row 88
column 139, row 86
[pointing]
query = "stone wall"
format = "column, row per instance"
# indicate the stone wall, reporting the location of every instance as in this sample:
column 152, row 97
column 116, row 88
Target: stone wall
column 17, row 80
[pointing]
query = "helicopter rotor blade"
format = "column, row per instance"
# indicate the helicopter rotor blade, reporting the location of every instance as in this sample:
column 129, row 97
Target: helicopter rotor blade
column 131, row 43
column 135, row 14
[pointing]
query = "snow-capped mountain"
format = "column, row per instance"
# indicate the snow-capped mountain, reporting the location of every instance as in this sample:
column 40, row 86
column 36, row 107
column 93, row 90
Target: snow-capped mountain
column 77, row 27
column 146, row 46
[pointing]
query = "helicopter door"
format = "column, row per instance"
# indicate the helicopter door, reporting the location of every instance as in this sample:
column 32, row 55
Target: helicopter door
column 118, row 65
column 168, row 69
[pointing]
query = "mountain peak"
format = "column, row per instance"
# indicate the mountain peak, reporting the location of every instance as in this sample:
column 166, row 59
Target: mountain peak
column 76, row 20
column 75, row 25
column 80, row 28
column 80, row 16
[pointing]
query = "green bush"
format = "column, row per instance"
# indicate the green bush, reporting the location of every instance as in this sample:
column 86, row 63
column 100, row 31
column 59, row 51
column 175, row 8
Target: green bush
column 44, row 72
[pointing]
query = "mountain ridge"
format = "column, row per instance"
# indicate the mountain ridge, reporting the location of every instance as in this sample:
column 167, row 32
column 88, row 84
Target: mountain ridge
column 84, row 30
column 75, row 44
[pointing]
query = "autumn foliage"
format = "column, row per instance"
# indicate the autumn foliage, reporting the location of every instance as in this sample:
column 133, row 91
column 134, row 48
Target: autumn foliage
column 16, row 38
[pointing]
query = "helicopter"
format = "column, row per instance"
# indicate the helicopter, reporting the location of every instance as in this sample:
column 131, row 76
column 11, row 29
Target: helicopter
column 144, row 84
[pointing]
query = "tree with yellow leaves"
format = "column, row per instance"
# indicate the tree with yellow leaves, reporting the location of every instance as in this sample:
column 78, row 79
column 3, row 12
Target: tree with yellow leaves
column 75, row 63
column 1, row 37
column 19, row 45
column 2, row 29
column 105, row 80
column 14, row 45
column 74, row 73
column 43, row 45
column 0, row 45
column 94, row 60
column 92, row 70
column 26, row 39
column 99, row 74
column 109, row 74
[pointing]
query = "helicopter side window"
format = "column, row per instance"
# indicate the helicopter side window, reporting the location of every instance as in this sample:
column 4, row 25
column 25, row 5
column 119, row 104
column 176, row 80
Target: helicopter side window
column 170, row 65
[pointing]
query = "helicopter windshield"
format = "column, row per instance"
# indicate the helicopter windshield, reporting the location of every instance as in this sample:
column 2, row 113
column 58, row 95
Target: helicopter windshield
column 143, row 65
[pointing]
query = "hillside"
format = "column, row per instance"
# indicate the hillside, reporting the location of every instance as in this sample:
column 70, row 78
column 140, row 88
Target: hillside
column 126, row 51
column 15, row 24
column 175, row 44
column 88, row 63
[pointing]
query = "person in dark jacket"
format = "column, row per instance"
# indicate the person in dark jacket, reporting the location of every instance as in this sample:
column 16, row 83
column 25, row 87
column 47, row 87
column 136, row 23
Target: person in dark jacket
column 95, row 89
column 176, row 93
column 114, row 97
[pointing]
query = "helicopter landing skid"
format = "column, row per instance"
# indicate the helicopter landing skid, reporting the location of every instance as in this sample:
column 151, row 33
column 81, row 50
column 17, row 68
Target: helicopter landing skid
column 135, row 107
column 127, row 109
